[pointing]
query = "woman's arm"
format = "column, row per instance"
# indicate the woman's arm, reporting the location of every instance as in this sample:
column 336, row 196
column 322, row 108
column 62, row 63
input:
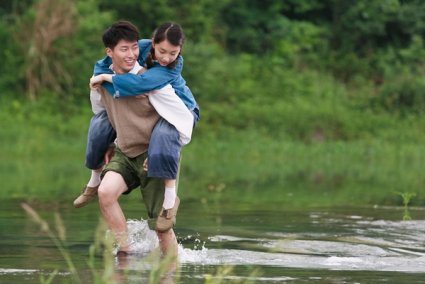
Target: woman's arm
column 133, row 85
column 153, row 79
column 103, row 66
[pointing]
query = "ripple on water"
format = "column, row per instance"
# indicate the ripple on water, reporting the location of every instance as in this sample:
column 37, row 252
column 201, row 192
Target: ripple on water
column 372, row 250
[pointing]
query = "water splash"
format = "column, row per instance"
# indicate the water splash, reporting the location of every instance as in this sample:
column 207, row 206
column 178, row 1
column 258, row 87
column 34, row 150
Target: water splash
column 142, row 240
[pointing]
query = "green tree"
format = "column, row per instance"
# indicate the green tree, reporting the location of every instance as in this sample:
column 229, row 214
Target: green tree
column 252, row 26
column 196, row 17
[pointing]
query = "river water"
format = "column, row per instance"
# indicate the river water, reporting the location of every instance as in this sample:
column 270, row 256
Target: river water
column 225, row 243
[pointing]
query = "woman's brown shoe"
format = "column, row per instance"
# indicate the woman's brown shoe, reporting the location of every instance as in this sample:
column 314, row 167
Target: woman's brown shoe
column 88, row 194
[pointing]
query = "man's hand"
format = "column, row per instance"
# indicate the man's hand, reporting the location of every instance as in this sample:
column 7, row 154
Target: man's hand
column 142, row 96
column 109, row 154
column 145, row 164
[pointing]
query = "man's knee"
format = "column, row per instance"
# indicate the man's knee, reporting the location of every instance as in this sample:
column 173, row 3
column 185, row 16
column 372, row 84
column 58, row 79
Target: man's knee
column 111, row 188
column 105, row 194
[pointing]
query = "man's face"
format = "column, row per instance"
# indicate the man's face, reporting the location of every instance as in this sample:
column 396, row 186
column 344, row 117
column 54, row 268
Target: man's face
column 124, row 55
column 165, row 52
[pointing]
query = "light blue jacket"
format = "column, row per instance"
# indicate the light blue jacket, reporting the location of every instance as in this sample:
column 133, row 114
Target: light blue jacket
column 154, row 78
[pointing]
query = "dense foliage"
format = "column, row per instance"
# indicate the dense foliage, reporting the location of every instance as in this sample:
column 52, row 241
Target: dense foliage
column 49, row 46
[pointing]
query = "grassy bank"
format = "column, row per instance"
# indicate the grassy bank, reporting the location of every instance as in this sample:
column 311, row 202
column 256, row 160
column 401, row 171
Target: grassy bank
column 43, row 157
column 252, row 168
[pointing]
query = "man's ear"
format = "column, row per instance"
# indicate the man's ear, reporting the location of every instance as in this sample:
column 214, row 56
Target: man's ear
column 108, row 51
column 153, row 43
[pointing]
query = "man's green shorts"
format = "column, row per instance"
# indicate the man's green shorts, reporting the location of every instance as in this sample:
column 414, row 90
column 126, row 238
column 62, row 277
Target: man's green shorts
column 131, row 169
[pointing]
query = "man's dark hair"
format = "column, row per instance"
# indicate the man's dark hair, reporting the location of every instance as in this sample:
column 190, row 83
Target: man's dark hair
column 121, row 30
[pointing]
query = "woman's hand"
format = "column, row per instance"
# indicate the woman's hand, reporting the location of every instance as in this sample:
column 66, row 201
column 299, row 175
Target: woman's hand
column 97, row 80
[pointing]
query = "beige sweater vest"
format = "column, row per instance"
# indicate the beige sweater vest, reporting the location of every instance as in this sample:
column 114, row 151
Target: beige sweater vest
column 133, row 119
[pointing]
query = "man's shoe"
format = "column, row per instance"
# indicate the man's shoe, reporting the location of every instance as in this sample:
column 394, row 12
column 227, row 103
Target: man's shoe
column 88, row 194
column 167, row 218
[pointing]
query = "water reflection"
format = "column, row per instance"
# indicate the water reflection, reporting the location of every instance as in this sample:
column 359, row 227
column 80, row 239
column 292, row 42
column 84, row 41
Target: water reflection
column 267, row 245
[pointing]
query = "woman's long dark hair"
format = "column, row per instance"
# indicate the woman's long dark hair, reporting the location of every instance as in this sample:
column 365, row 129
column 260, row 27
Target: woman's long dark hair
column 167, row 31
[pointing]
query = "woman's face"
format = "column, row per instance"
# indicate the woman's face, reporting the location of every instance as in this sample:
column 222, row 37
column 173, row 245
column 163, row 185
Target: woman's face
column 165, row 52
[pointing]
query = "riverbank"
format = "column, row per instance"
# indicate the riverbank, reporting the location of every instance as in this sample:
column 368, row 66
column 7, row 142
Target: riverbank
column 43, row 158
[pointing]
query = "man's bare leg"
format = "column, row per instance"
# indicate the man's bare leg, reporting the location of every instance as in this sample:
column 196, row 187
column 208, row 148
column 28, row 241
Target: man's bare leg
column 110, row 189
column 168, row 247
column 167, row 242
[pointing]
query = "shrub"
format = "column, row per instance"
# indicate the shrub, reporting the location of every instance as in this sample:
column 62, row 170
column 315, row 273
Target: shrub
column 404, row 94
